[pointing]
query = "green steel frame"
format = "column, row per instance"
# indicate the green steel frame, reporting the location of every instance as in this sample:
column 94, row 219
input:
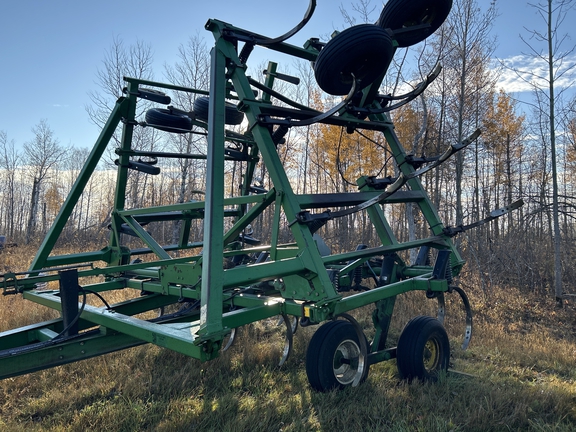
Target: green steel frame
column 296, row 279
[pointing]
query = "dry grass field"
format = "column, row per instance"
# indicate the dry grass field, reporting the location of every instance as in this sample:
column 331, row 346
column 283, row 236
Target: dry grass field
column 519, row 374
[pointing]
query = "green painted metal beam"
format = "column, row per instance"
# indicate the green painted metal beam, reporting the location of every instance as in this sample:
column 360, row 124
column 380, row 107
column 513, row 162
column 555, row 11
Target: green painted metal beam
column 212, row 265
column 391, row 290
column 164, row 335
column 120, row 110
column 45, row 355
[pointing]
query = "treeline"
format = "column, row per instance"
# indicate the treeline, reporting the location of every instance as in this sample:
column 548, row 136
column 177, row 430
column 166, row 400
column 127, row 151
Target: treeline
column 528, row 156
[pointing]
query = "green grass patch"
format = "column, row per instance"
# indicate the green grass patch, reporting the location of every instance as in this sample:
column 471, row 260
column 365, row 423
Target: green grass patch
column 519, row 375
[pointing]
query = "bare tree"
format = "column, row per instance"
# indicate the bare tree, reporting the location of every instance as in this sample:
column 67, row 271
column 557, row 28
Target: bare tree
column 363, row 8
column 471, row 48
column 192, row 70
column 547, row 46
column 305, row 94
column 9, row 162
column 119, row 61
column 42, row 153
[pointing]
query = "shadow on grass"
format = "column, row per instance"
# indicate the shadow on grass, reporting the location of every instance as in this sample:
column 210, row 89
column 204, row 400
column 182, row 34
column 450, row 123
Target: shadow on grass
column 149, row 388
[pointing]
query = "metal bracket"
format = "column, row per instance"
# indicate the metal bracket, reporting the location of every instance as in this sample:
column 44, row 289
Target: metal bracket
column 404, row 99
column 314, row 221
column 417, row 162
column 376, row 183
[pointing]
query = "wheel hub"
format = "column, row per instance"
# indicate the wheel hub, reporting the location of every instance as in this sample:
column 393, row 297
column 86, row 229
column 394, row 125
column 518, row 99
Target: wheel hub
column 346, row 362
column 431, row 355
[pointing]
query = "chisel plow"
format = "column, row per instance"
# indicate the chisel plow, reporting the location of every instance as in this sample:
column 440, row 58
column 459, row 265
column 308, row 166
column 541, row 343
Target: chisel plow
column 193, row 295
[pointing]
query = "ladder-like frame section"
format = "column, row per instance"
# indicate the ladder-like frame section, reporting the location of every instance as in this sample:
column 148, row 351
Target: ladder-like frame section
column 295, row 279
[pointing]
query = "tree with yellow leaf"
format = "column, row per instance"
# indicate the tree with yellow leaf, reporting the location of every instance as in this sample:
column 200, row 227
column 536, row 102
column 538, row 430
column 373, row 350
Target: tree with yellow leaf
column 502, row 135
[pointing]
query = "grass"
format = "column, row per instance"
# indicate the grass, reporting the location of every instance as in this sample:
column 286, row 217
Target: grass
column 520, row 376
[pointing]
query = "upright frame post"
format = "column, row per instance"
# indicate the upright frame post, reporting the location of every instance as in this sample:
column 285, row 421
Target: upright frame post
column 212, row 266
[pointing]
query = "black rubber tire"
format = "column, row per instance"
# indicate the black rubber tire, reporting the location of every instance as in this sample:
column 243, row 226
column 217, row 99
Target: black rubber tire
column 364, row 50
column 423, row 349
column 231, row 115
column 333, row 341
column 166, row 120
column 402, row 14
column 154, row 96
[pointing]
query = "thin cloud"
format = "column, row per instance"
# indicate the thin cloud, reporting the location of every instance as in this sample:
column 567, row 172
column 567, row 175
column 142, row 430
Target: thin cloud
column 522, row 73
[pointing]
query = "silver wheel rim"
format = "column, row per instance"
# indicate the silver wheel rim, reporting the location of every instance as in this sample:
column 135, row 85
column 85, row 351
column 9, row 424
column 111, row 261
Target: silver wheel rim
column 347, row 362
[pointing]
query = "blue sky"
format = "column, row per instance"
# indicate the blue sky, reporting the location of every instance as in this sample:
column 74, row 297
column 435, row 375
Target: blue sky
column 50, row 50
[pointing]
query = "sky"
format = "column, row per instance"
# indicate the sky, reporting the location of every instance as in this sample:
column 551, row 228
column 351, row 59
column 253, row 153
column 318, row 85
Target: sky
column 51, row 50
